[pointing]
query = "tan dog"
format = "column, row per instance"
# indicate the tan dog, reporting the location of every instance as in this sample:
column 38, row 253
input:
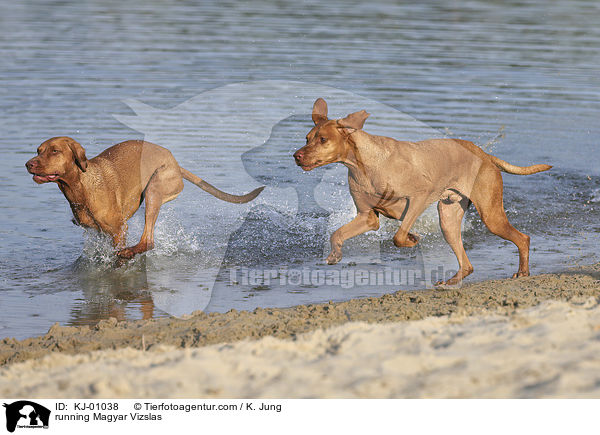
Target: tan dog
column 401, row 179
column 104, row 192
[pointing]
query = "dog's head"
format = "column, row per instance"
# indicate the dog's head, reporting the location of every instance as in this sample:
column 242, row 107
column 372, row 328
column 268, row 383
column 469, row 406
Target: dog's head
column 327, row 142
column 57, row 158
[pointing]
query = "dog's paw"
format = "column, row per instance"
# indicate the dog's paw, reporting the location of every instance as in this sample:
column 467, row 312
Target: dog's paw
column 120, row 262
column 413, row 239
column 410, row 241
column 452, row 282
column 334, row 258
column 520, row 273
column 456, row 279
column 126, row 253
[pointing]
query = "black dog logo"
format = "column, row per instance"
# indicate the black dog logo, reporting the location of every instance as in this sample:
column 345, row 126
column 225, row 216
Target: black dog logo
column 26, row 414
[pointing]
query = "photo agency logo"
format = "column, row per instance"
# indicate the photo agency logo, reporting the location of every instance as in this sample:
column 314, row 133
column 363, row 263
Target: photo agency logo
column 245, row 135
column 25, row 414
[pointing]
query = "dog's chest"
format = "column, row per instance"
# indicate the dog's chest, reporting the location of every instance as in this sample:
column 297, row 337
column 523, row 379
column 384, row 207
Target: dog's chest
column 83, row 216
column 384, row 200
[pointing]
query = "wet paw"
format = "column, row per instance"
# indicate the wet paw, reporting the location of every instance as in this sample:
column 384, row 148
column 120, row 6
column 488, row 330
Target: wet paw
column 334, row 258
column 410, row 241
column 126, row 253
column 413, row 239
column 119, row 262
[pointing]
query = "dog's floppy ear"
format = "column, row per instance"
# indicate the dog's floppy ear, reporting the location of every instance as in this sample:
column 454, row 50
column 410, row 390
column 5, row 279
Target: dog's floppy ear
column 78, row 154
column 354, row 121
column 319, row 113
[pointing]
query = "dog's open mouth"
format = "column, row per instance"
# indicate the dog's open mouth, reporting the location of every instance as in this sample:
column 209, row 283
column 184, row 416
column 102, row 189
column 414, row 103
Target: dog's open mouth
column 44, row 178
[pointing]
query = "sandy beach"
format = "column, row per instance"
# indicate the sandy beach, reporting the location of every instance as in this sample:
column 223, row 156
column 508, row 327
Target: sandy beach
column 531, row 337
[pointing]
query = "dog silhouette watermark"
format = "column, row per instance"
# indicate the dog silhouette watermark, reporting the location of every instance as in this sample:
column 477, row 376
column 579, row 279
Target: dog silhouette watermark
column 25, row 414
column 243, row 135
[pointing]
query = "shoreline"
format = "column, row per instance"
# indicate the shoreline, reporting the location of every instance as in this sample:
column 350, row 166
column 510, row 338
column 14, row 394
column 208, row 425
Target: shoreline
column 547, row 351
column 199, row 329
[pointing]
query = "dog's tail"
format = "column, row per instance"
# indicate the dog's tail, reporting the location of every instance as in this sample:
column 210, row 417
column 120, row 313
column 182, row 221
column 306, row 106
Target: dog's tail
column 518, row 170
column 236, row 199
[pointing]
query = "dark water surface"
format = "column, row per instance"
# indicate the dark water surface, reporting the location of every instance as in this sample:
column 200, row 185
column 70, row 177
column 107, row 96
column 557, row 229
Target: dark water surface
column 228, row 88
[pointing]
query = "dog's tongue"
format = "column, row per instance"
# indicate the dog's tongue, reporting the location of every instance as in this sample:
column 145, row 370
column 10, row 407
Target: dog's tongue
column 44, row 178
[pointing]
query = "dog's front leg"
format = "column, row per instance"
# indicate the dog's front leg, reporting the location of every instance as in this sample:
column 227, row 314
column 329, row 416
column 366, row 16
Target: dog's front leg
column 363, row 222
column 403, row 238
column 120, row 237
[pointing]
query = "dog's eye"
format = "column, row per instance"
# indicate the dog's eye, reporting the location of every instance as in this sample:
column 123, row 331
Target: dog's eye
column 54, row 151
column 323, row 139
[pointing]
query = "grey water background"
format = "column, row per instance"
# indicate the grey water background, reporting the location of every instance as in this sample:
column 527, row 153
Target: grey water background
column 464, row 69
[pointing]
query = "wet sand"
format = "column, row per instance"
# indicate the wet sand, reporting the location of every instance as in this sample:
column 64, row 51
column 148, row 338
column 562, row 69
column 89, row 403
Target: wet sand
column 566, row 306
column 201, row 329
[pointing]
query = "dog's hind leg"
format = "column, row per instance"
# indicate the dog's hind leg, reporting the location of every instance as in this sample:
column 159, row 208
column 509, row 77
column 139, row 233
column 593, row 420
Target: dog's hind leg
column 164, row 185
column 487, row 197
column 363, row 222
column 451, row 214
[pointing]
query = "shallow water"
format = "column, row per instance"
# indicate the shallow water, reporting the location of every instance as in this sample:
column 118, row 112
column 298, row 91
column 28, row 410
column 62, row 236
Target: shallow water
column 228, row 88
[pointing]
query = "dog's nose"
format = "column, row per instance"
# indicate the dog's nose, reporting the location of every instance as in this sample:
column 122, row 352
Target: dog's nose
column 30, row 164
column 298, row 155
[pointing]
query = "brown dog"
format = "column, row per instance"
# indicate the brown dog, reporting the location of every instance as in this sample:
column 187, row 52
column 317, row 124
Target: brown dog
column 401, row 179
column 104, row 192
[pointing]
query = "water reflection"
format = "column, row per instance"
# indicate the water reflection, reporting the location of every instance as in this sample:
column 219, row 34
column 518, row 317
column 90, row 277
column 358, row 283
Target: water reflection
column 112, row 292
